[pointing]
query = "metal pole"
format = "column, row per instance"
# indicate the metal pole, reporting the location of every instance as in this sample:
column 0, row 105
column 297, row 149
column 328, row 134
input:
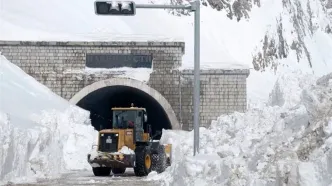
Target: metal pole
column 196, row 77
column 194, row 6
column 149, row 6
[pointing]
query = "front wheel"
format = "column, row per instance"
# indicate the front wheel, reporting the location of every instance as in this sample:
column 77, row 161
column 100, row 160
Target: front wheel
column 101, row 171
column 159, row 160
column 143, row 162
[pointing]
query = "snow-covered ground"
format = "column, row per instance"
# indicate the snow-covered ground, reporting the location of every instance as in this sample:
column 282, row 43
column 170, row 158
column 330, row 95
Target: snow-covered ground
column 87, row 178
column 287, row 142
column 41, row 134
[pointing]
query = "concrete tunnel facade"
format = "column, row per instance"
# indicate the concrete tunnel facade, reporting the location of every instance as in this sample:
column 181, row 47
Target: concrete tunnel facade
column 101, row 96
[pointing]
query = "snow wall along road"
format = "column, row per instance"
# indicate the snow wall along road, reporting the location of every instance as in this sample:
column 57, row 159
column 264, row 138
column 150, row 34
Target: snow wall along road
column 286, row 142
column 41, row 134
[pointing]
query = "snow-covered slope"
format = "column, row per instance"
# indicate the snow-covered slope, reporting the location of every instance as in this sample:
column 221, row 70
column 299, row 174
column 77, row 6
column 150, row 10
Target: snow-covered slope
column 41, row 134
column 285, row 143
column 266, row 35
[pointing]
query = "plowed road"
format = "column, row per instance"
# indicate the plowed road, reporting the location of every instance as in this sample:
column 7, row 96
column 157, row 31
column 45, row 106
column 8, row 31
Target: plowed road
column 87, row 178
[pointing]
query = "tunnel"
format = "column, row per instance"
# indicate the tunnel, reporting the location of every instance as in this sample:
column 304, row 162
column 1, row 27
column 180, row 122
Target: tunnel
column 100, row 98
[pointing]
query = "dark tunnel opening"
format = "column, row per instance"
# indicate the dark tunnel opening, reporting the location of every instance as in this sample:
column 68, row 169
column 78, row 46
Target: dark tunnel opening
column 101, row 101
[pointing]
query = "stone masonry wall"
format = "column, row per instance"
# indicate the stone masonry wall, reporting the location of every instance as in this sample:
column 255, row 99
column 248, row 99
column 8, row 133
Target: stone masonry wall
column 54, row 63
column 59, row 65
column 221, row 92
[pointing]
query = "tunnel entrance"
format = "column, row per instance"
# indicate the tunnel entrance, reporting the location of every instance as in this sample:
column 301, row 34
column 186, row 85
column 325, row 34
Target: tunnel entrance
column 99, row 98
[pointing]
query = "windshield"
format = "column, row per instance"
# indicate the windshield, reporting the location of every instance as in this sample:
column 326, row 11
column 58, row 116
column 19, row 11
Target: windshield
column 124, row 118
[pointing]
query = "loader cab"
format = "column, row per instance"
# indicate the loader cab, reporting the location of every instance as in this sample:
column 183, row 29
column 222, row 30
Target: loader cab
column 131, row 118
column 124, row 119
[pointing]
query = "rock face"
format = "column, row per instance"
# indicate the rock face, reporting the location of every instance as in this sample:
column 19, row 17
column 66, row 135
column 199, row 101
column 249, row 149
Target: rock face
column 236, row 9
column 301, row 15
column 305, row 17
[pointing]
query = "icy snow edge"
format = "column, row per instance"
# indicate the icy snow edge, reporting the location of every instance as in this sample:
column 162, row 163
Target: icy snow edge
column 58, row 142
column 41, row 134
column 285, row 143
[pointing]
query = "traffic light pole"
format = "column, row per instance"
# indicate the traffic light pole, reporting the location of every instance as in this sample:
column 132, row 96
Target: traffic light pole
column 151, row 6
column 195, row 7
column 112, row 8
column 197, row 75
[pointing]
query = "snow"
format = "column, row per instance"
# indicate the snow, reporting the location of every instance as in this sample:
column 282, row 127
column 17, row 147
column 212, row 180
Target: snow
column 286, row 141
column 140, row 74
column 126, row 150
column 123, row 150
column 41, row 134
column 93, row 153
column 285, row 136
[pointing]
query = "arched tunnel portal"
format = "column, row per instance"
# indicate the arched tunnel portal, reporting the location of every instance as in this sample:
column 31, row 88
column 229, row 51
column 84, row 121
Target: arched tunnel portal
column 100, row 97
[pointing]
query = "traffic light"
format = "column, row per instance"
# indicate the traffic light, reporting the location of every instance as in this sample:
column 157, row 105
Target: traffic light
column 115, row 8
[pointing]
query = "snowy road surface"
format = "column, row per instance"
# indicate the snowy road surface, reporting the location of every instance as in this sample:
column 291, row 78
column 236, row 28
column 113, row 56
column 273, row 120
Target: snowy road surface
column 87, row 178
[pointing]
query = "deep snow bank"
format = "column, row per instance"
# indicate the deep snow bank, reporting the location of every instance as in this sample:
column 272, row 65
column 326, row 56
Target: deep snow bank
column 288, row 143
column 41, row 134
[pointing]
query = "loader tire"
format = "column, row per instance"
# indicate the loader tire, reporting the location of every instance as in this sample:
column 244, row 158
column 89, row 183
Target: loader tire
column 159, row 160
column 143, row 161
column 101, row 171
column 118, row 170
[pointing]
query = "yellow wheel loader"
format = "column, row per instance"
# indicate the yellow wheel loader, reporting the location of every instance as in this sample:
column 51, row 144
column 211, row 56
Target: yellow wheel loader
column 129, row 144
